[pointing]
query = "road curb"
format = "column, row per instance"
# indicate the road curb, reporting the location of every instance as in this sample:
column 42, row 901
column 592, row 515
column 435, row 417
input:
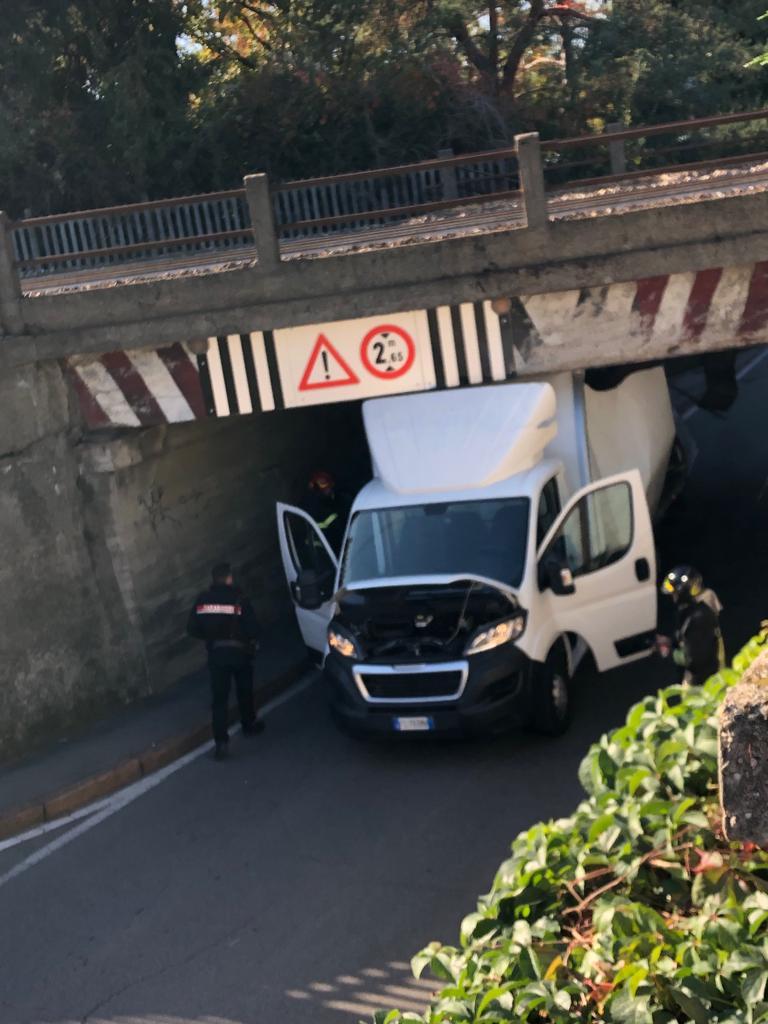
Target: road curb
column 127, row 770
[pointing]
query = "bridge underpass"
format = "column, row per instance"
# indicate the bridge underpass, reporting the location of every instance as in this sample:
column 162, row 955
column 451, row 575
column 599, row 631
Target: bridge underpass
column 330, row 880
column 148, row 426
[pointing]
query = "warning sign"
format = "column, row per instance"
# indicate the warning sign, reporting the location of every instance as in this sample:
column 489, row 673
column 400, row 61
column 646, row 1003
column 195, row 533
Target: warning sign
column 387, row 351
column 352, row 359
column 326, row 368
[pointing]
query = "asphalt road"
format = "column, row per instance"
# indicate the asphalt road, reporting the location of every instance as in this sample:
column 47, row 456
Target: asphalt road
column 293, row 883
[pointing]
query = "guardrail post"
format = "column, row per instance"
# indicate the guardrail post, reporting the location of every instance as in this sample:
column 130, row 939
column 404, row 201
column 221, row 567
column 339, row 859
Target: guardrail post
column 617, row 154
column 448, row 175
column 263, row 220
column 10, row 282
column 531, row 172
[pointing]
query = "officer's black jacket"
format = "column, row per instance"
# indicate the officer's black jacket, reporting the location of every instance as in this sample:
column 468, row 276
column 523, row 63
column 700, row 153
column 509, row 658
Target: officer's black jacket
column 224, row 617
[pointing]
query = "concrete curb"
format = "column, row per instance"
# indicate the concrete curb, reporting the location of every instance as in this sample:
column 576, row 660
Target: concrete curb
column 95, row 787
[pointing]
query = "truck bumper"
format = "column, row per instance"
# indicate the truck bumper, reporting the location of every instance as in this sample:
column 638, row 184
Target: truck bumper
column 494, row 699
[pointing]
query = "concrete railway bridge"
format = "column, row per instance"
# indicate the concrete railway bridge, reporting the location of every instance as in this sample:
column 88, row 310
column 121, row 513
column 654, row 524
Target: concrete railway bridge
column 169, row 370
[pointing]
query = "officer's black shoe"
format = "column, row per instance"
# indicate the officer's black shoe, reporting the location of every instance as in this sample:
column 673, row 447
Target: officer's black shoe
column 253, row 728
column 221, row 753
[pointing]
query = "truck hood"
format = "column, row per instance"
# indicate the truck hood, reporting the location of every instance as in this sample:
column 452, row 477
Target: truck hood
column 444, row 580
column 421, row 617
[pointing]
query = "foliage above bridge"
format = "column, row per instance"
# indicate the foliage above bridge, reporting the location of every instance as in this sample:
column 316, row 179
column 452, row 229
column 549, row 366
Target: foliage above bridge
column 106, row 103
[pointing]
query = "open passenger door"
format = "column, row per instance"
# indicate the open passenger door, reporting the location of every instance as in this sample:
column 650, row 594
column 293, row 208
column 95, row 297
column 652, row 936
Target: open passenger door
column 310, row 568
column 597, row 568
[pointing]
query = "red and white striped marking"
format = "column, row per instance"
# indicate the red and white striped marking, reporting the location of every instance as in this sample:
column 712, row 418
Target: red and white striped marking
column 717, row 306
column 140, row 388
column 631, row 320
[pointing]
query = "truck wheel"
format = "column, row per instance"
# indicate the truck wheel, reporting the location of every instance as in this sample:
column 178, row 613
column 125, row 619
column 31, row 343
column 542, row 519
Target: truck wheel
column 550, row 697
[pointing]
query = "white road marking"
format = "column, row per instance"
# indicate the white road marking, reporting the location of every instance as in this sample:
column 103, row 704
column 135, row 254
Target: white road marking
column 752, row 364
column 52, row 826
column 127, row 796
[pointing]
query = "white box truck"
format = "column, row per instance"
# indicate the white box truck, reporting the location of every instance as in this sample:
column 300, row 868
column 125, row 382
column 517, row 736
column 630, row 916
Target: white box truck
column 506, row 533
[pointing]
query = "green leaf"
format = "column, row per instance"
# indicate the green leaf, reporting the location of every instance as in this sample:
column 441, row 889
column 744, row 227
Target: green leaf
column 624, row 1008
column 753, row 986
column 563, row 999
column 492, row 995
column 690, row 1005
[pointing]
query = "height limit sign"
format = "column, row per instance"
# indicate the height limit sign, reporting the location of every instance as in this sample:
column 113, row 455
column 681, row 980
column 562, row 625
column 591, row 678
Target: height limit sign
column 347, row 360
column 387, row 351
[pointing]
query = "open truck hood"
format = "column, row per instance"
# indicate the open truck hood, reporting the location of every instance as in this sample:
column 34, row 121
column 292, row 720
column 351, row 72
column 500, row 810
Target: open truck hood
column 436, row 580
column 422, row 617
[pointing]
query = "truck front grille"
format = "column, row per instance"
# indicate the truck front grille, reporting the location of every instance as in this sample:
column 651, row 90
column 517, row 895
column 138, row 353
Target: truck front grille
column 411, row 684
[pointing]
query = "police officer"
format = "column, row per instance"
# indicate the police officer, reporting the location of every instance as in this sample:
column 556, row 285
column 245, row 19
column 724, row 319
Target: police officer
column 698, row 643
column 223, row 616
column 327, row 508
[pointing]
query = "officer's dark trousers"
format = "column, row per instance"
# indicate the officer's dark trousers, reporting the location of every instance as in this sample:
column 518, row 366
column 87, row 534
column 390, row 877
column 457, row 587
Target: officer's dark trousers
column 221, row 680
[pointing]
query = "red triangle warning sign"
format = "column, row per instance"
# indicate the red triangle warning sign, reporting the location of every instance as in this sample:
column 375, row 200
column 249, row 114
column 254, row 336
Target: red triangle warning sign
column 326, row 368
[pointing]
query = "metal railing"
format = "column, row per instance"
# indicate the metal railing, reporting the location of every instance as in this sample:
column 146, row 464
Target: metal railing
column 220, row 222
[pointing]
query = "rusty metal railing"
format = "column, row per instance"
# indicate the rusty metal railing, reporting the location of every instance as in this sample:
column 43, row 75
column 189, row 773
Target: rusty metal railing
column 220, row 223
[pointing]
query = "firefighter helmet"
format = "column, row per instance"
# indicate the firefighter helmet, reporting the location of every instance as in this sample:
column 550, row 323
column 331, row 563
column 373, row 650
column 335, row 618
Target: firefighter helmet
column 683, row 581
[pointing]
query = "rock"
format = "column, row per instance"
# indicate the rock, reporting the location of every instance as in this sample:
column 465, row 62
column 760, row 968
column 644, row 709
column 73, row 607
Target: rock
column 744, row 756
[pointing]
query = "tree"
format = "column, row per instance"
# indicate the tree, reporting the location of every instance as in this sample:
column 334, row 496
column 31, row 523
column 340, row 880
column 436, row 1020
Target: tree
column 495, row 39
column 653, row 60
column 94, row 99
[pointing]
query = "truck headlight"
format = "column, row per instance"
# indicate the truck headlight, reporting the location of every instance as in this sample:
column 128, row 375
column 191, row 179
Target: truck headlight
column 342, row 644
column 496, row 635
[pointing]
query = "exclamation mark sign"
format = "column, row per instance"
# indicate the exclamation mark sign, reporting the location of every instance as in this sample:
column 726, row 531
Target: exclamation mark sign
column 325, row 365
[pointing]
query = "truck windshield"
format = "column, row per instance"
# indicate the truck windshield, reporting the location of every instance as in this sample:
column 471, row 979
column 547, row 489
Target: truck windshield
column 485, row 538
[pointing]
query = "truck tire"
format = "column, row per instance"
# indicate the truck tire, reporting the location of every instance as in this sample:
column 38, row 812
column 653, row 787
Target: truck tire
column 550, row 696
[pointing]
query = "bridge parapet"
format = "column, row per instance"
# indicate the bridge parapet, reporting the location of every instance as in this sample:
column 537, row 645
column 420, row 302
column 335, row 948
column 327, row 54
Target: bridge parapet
column 221, row 222
column 527, row 243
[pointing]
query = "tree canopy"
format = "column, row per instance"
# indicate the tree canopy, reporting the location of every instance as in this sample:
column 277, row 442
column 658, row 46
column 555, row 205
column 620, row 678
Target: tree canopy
column 104, row 101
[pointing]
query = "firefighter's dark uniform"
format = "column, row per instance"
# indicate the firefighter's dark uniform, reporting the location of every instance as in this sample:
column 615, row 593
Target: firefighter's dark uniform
column 330, row 514
column 223, row 617
column 698, row 641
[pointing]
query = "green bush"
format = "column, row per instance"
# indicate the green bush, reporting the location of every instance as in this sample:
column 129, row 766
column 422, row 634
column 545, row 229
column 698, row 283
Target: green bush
column 635, row 909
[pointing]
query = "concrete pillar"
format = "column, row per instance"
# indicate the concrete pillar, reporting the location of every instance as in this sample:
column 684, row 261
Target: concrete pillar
column 263, row 220
column 10, row 283
column 616, row 151
column 532, row 179
column 448, row 176
column 744, row 756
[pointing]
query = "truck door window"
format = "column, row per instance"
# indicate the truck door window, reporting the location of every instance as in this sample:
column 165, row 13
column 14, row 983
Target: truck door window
column 597, row 532
column 549, row 509
column 307, row 551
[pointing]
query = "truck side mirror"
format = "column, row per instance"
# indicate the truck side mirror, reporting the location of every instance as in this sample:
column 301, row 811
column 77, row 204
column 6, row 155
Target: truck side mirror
column 558, row 578
column 306, row 590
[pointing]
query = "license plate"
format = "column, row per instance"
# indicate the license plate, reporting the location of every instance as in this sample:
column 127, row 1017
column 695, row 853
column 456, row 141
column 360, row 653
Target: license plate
column 413, row 723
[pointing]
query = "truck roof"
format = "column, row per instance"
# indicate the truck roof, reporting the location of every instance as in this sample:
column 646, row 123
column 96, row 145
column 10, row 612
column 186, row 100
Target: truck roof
column 376, row 495
column 462, row 439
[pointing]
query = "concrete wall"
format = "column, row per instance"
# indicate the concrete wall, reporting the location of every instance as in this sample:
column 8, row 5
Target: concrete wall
column 565, row 255
column 104, row 541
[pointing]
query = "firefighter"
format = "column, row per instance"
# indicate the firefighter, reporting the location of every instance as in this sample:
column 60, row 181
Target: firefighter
column 697, row 648
column 327, row 508
column 223, row 617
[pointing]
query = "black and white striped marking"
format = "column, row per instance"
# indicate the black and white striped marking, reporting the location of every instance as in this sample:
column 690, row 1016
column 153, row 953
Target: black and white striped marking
column 470, row 344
